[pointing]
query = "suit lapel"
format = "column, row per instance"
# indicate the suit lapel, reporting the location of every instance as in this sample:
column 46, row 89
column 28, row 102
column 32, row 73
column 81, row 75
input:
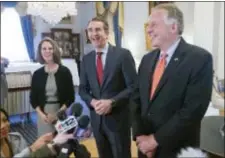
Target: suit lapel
column 93, row 70
column 171, row 67
column 108, row 66
column 149, row 66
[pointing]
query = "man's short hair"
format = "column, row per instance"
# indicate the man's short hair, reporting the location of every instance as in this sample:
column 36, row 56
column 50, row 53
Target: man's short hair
column 101, row 19
column 174, row 14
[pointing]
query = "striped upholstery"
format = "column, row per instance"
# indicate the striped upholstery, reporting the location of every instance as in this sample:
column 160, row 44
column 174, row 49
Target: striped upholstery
column 29, row 135
column 19, row 84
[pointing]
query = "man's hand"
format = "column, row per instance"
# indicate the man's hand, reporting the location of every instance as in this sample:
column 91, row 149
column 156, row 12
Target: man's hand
column 150, row 154
column 59, row 140
column 104, row 107
column 62, row 138
column 44, row 139
column 146, row 144
column 95, row 103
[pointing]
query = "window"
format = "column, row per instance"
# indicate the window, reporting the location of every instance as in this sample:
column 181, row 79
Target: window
column 13, row 46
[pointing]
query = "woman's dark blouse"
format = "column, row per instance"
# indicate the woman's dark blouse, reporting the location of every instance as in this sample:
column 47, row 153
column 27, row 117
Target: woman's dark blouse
column 64, row 83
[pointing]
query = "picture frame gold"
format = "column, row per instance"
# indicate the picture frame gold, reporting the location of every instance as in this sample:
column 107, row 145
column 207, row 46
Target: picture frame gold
column 147, row 38
column 152, row 4
column 46, row 34
column 87, row 38
column 76, row 45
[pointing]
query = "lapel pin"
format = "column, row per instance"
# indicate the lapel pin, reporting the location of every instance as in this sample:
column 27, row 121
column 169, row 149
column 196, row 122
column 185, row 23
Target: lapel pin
column 176, row 59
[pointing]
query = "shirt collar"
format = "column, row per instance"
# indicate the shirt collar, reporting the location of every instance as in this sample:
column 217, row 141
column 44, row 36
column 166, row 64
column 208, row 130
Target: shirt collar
column 171, row 49
column 104, row 49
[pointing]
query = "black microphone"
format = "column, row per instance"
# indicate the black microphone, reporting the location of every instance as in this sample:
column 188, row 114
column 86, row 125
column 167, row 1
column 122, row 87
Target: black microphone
column 73, row 145
column 83, row 123
column 61, row 115
column 76, row 109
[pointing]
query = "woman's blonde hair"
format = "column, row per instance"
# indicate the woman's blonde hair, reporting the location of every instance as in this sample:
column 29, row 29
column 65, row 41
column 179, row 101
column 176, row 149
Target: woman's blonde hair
column 56, row 51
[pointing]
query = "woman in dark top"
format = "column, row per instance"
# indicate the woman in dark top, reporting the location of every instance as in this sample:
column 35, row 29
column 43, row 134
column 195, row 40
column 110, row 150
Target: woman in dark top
column 52, row 86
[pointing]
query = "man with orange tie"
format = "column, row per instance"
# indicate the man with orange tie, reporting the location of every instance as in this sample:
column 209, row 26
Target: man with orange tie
column 107, row 80
column 174, row 89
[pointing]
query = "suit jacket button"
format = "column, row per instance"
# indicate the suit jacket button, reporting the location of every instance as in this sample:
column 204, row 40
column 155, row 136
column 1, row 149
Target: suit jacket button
column 149, row 114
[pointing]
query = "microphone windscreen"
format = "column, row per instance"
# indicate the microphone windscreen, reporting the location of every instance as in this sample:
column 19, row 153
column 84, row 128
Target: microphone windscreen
column 83, row 121
column 76, row 109
column 61, row 115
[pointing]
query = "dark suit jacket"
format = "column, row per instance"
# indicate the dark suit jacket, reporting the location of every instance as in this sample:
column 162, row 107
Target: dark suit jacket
column 118, row 84
column 181, row 98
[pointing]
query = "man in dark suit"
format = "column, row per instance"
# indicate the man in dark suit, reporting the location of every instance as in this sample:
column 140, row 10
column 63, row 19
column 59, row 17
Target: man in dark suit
column 175, row 84
column 107, row 80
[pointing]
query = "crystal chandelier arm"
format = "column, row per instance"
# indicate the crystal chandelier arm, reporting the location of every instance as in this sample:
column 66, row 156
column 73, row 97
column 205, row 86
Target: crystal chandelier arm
column 52, row 12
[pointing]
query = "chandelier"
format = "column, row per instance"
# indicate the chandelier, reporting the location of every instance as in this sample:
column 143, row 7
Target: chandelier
column 52, row 12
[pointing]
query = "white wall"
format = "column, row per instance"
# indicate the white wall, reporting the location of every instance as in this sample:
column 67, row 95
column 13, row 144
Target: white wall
column 135, row 16
column 209, row 31
column 88, row 11
column 203, row 24
column 188, row 13
column 220, row 58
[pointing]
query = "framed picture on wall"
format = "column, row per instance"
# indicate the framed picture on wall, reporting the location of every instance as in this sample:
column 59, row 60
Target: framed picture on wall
column 46, row 34
column 152, row 4
column 64, row 39
column 87, row 39
column 76, row 45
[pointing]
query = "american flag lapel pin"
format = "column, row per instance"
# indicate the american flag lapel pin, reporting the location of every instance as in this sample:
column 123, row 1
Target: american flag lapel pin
column 176, row 59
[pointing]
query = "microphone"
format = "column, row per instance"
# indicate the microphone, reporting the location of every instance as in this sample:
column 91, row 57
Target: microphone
column 83, row 123
column 73, row 145
column 67, row 124
column 61, row 115
column 76, row 109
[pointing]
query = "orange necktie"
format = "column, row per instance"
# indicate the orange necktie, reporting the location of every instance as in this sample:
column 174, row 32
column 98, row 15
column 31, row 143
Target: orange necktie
column 160, row 67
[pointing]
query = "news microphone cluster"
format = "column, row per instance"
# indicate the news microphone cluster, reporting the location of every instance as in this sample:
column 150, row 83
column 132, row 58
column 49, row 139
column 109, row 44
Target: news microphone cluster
column 74, row 123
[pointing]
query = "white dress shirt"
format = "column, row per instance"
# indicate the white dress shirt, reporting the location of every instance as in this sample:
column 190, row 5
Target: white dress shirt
column 170, row 51
column 104, row 54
